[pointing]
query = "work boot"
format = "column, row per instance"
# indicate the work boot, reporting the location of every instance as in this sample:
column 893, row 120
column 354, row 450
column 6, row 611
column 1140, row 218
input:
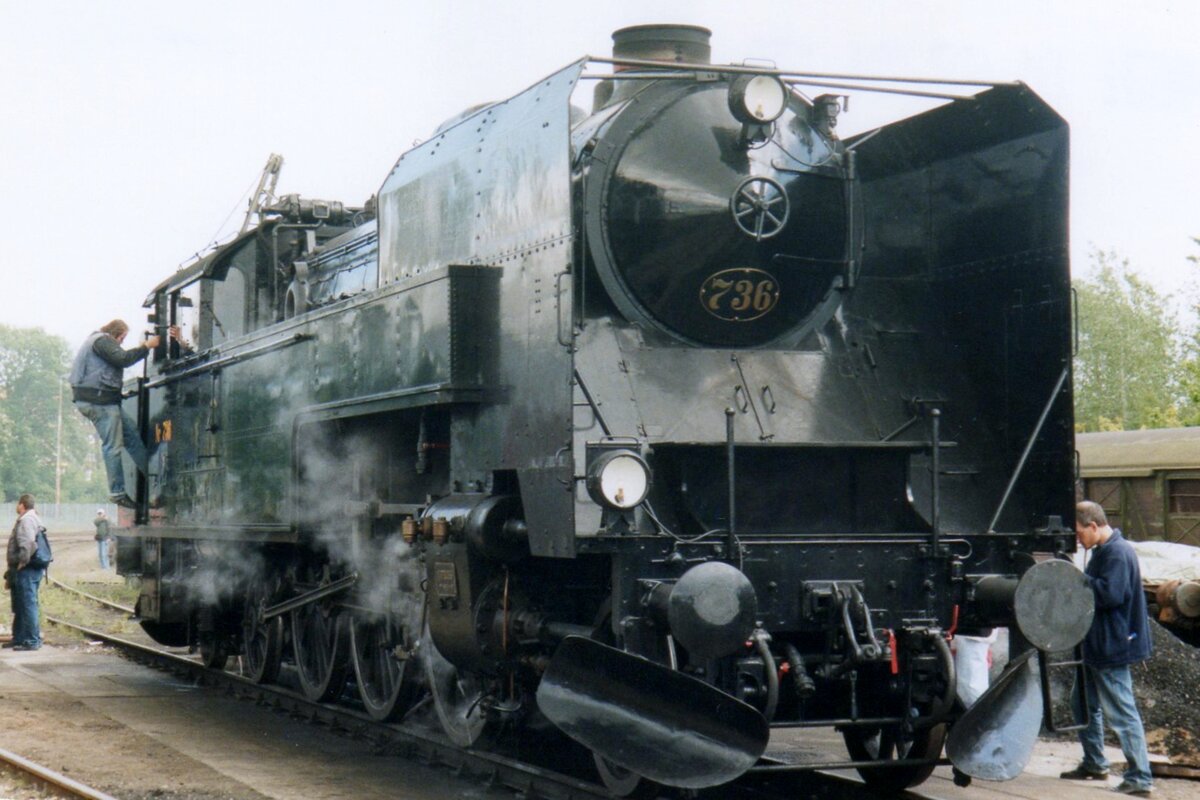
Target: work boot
column 1135, row 789
column 123, row 500
column 1085, row 773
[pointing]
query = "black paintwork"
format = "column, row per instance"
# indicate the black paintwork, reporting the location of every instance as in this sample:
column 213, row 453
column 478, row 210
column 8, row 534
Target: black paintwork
column 534, row 287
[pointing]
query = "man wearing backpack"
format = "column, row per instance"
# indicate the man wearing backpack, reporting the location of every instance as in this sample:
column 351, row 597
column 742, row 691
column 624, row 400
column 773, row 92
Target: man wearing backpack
column 24, row 578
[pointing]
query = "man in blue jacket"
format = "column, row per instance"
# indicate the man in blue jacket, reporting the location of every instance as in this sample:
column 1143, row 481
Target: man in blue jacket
column 96, row 378
column 1119, row 636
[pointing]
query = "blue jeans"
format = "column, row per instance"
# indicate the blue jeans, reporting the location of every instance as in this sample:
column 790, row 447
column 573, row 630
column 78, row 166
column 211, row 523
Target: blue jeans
column 27, row 629
column 102, row 547
column 1110, row 693
column 118, row 433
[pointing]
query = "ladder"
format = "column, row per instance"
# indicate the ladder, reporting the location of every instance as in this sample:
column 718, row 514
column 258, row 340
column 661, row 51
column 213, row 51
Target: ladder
column 265, row 193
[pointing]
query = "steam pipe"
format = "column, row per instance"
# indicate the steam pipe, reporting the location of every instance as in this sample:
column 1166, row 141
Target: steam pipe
column 1037, row 431
column 936, row 513
column 946, row 702
column 785, row 73
column 761, row 638
column 732, row 543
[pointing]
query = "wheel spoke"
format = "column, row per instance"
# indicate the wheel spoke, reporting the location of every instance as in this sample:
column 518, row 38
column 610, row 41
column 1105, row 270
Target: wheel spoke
column 320, row 652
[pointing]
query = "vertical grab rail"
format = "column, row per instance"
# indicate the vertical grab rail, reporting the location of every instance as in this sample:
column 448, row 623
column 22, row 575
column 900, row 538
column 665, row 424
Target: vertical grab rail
column 732, row 542
column 936, row 514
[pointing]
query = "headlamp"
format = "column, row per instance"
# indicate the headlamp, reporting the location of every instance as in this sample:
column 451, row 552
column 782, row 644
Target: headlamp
column 757, row 99
column 618, row 479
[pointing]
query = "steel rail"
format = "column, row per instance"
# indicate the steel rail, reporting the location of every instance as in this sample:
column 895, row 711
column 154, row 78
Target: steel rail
column 492, row 768
column 528, row 780
column 92, row 597
column 50, row 778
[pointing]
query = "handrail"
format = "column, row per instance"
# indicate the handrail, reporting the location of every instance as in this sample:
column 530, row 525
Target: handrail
column 1037, row 431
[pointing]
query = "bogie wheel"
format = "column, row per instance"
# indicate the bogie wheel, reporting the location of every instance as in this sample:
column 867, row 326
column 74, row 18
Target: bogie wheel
column 623, row 783
column 262, row 639
column 457, row 696
column 381, row 651
column 620, row 781
column 874, row 744
column 214, row 650
column 319, row 641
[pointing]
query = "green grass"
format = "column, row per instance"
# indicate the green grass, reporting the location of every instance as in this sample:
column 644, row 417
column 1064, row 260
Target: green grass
column 81, row 611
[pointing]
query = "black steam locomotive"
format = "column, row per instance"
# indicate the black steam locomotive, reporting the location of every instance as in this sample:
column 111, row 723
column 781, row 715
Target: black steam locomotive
column 667, row 423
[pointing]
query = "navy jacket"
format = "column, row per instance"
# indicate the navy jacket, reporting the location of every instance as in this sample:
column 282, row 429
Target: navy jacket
column 1120, row 632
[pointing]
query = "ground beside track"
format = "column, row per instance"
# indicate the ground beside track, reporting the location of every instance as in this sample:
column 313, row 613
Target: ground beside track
column 139, row 733
column 1040, row 780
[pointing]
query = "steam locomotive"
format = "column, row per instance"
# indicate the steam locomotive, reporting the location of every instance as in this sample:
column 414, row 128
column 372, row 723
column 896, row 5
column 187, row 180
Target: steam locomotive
column 660, row 426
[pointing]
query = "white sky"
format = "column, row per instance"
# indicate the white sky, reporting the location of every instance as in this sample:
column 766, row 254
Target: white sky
column 130, row 131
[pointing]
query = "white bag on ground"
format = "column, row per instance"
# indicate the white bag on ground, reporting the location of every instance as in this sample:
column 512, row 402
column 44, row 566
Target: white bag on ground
column 971, row 666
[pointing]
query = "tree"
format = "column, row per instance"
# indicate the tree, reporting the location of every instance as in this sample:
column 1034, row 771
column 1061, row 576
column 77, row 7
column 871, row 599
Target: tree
column 1189, row 377
column 33, row 369
column 1126, row 371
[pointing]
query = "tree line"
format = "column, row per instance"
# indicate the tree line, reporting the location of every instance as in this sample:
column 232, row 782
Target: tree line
column 1137, row 364
column 33, row 394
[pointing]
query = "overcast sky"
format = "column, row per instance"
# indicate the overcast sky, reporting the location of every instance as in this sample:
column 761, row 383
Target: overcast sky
column 131, row 132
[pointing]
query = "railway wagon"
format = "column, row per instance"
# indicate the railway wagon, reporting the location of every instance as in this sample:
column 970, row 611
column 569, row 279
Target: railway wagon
column 1148, row 482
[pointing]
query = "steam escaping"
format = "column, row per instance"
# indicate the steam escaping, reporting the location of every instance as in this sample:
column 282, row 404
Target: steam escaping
column 326, row 479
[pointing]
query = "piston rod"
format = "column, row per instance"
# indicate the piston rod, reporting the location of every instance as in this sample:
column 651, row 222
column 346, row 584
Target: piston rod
column 301, row 600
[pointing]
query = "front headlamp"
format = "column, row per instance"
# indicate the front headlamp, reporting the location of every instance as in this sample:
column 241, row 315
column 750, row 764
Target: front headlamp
column 757, row 99
column 618, row 479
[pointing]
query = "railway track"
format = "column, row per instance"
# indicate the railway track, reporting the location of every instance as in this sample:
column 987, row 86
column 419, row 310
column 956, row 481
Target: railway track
column 48, row 780
column 773, row 779
column 80, row 593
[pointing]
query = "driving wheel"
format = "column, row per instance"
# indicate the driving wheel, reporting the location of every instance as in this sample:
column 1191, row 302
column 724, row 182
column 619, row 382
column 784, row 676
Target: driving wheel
column 262, row 639
column 319, row 642
column 457, row 696
column 383, row 653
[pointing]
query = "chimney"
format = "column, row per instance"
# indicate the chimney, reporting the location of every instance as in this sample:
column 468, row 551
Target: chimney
column 671, row 44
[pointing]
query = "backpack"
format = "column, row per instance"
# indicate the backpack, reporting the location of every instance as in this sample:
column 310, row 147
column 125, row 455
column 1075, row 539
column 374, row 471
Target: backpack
column 42, row 555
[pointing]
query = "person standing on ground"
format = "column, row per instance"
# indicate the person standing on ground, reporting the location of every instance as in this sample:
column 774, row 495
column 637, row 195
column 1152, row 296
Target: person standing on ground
column 1119, row 636
column 95, row 379
column 23, row 579
column 102, row 536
